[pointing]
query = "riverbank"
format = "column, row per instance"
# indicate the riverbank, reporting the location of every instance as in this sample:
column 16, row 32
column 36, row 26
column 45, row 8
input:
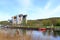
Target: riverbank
column 5, row 35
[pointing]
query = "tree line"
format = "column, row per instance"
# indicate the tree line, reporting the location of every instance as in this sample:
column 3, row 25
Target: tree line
column 39, row 22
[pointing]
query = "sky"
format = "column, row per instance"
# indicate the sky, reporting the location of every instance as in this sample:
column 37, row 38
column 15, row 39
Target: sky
column 35, row 9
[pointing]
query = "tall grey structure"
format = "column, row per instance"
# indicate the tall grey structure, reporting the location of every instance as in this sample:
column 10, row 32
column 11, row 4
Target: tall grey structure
column 19, row 19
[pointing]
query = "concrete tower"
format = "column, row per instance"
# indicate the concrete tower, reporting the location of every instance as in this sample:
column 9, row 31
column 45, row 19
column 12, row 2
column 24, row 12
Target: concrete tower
column 19, row 19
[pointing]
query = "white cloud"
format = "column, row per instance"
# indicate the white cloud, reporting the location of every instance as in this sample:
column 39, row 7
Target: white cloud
column 24, row 3
column 42, row 13
column 4, row 16
column 48, row 4
column 51, row 13
column 37, row 11
column 56, row 10
column 33, row 12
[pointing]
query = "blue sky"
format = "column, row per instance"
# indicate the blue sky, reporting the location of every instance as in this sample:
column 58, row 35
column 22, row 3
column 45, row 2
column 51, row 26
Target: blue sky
column 35, row 9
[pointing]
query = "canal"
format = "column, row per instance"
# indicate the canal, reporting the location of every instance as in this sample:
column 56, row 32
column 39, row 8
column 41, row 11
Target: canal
column 39, row 35
column 19, row 34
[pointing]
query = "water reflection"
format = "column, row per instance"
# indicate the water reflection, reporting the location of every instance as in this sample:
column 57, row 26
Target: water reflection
column 48, row 35
column 35, row 35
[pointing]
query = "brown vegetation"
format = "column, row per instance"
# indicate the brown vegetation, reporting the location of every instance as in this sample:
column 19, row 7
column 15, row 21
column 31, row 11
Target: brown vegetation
column 16, row 36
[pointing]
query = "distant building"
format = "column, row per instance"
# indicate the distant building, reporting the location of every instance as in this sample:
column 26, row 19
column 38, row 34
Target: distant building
column 14, row 19
column 19, row 19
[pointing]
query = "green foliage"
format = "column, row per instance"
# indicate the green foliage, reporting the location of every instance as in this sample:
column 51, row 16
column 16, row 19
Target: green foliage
column 44, row 22
column 4, row 23
column 39, row 22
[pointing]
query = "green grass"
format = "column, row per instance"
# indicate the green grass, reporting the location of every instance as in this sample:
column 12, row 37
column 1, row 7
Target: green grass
column 42, row 26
